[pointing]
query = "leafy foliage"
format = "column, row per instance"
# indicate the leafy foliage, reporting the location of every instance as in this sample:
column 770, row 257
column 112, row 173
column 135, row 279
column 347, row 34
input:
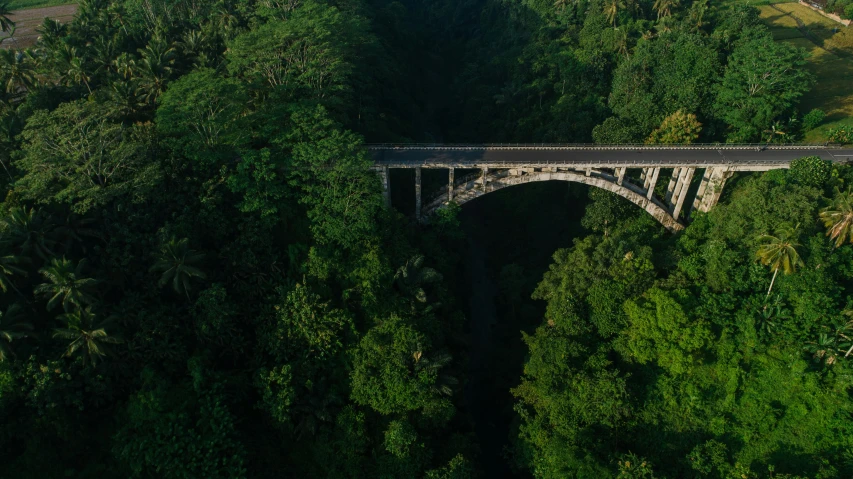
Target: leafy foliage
column 77, row 155
column 679, row 128
column 179, row 431
column 763, row 79
column 188, row 180
column 811, row 170
column 813, row 119
column 842, row 135
column 692, row 357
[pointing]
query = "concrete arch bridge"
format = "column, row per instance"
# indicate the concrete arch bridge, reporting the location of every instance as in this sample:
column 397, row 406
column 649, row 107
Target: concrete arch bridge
column 631, row 172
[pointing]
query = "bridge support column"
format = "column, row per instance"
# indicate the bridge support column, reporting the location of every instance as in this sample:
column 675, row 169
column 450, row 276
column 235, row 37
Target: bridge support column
column 385, row 177
column 451, row 183
column 711, row 188
column 651, row 182
column 672, row 182
column 620, row 175
column 418, row 192
column 485, row 173
column 680, row 192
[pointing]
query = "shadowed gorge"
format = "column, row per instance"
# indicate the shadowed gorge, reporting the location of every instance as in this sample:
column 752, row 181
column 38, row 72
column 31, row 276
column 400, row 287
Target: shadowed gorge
column 509, row 240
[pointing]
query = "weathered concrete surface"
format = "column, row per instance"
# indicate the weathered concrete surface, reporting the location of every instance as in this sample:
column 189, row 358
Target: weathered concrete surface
column 502, row 179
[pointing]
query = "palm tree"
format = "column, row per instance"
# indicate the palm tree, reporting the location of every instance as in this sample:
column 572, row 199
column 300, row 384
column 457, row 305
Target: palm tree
column 226, row 21
column 104, row 50
column 411, row 277
column 155, row 66
column 8, row 267
column 770, row 315
column 664, row 7
column 12, row 327
column 6, row 24
column 697, row 14
column 29, row 230
column 612, row 8
column 16, row 68
column 66, row 284
column 177, row 262
column 9, row 127
column 828, row 348
column 74, row 73
column 194, row 46
column 838, row 218
column 775, row 132
column 71, row 67
column 780, row 252
column 87, row 334
column 621, row 44
column 51, row 33
column 125, row 66
column 561, row 5
column 444, row 382
column 117, row 14
column 126, row 96
column 824, row 349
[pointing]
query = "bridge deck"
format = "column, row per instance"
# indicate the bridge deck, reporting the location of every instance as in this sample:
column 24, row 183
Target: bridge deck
column 736, row 157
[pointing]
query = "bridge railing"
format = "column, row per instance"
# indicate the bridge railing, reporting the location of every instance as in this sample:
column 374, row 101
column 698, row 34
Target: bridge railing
column 578, row 163
column 593, row 146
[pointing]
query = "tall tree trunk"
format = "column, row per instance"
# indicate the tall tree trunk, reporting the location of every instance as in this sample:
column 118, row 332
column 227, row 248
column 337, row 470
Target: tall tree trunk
column 771, row 283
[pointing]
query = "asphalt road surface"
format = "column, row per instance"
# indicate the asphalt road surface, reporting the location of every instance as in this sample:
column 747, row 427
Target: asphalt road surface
column 744, row 157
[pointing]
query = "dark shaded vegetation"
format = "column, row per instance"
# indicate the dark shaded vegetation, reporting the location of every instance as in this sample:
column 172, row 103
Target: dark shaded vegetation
column 199, row 277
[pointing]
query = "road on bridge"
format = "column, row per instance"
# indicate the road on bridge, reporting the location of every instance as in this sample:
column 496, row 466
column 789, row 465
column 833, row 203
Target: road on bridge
column 752, row 157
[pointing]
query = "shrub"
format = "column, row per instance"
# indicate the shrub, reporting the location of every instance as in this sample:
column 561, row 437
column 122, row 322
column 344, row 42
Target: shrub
column 399, row 437
column 679, row 128
column 813, row 119
column 811, row 171
column 842, row 134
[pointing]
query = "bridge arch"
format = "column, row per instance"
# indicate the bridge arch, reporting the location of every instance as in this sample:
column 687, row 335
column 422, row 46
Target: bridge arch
column 500, row 179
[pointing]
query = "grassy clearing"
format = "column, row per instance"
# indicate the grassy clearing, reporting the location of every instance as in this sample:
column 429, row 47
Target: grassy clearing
column 833, row 92
column 754, row 3
column 27, row 23
column 832, row 33
column 25, row 4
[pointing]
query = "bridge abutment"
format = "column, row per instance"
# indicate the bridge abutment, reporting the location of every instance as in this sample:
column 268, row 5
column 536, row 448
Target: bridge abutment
column 711, row 188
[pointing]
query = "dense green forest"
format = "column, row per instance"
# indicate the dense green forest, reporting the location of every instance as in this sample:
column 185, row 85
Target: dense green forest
column 200, row 278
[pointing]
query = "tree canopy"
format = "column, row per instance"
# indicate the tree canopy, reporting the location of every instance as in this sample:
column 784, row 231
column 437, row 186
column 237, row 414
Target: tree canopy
column 200, row 277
